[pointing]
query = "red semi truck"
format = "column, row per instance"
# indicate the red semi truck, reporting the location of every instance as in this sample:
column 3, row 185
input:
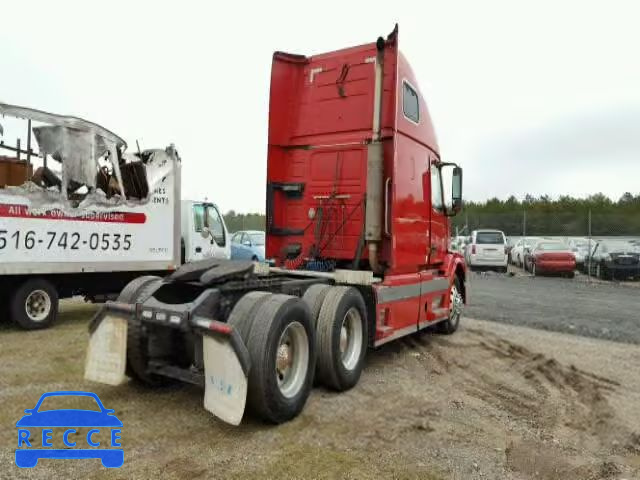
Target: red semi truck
column 358, row 201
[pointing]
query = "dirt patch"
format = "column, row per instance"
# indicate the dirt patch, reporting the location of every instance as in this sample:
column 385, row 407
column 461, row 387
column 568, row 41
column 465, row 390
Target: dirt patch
column 490, row 402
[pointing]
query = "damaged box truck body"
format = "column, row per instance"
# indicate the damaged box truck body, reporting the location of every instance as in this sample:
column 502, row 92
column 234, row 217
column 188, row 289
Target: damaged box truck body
column 85, row 217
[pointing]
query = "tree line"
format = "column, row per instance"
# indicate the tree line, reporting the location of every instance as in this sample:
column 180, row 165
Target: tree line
column 597, row 214
column 244, row 221
column 530, row 216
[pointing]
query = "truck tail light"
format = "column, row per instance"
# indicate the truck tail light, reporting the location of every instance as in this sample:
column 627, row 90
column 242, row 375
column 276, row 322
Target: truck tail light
column 506, row 250
column 473, row 249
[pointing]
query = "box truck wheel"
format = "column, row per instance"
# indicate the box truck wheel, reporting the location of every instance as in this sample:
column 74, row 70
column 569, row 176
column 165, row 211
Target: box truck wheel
column 34, row 304
column 243, row 313
column 456, row 303
column 342, row 338
column 283, row 352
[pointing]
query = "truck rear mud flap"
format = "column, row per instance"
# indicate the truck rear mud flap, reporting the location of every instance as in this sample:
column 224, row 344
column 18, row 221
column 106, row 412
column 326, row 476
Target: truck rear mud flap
column 225, row 357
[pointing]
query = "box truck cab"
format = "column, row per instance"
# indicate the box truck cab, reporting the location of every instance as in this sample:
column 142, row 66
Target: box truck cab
column 204, row 233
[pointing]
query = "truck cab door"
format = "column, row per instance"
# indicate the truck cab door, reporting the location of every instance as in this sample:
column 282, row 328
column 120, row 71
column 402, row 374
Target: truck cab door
column 196, row 247
column 219, row 241
column 439, row 241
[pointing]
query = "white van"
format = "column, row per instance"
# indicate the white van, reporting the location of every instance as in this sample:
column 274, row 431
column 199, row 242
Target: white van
column 487, row 249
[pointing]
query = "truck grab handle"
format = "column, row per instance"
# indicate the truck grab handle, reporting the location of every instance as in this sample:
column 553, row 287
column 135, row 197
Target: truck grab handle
column 387, row 183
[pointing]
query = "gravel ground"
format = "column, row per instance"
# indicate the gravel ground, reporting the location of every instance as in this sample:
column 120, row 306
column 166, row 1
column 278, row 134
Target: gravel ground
column 493, row 401
column 601, row 310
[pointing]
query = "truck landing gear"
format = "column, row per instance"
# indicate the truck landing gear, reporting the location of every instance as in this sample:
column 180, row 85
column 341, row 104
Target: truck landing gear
column 34, row 304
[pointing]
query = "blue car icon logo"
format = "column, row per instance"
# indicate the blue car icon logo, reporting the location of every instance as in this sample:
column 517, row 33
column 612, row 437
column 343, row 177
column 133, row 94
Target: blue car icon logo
column 98, row 423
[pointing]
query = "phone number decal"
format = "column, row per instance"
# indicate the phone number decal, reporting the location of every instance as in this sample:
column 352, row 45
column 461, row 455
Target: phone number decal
column 28, row 240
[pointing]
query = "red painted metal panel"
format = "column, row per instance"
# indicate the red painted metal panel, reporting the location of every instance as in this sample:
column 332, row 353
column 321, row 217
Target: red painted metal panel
column 400, row 314
column 321, row 119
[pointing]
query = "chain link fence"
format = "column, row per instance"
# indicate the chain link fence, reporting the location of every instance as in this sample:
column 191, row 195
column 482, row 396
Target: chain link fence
column 585, row 228
column 552, row 224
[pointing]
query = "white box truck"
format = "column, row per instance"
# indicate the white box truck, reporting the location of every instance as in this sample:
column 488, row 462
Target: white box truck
column 79, row 216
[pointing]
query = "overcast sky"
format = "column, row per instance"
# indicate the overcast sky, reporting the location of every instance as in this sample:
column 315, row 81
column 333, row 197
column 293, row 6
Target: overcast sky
column 540, row 98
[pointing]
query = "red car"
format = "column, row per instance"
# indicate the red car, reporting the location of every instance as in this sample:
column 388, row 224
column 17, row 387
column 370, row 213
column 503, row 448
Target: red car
column 549, row 257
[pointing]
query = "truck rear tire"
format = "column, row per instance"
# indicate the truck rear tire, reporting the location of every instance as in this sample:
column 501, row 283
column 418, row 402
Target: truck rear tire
column 342, row 338
column 243, row 313
column 129, row 293
column 137, row 338
column 34, row 304
column 283, row 356
column 314, row 296
column 451, row 324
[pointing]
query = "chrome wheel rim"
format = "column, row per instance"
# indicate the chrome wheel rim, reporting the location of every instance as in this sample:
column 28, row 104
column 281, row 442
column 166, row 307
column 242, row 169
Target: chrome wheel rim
column 292, row 359
column 37, row 305
column 351, row 338
column 456, row 305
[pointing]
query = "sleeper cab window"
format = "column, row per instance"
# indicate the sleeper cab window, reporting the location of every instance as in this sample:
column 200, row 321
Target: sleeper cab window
column 410, row 103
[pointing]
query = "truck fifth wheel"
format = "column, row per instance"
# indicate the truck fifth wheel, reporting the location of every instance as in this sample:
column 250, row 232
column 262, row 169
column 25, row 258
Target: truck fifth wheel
column 358, row 201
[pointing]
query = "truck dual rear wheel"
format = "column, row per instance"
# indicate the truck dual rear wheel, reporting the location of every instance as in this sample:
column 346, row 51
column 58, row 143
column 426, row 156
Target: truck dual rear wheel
column 342, row 338
column 282, row 348
column 137, row 336
column 314, row 296
column 34, row 304
column 243, row 313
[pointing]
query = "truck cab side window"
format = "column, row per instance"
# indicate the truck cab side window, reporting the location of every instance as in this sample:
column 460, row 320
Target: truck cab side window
column 410, row 103
column 436, row 189
column 215, row 225
column 198, row 217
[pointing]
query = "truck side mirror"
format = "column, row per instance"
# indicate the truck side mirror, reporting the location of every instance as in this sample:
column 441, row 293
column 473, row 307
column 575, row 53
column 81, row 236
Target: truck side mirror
column 456, row 189
column 205, row 232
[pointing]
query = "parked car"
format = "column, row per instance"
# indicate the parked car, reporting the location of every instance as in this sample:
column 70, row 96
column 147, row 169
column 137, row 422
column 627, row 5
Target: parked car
column 510, row 244
column 247, row 245
column 580, row 249
column 614, row 259
column 517, row 252
column 487, row 249
column 550, row 257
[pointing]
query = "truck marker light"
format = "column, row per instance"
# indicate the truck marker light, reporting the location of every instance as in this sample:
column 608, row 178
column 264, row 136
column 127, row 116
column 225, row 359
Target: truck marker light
column 175, row 319
column 147, row 314
column 220, row 328
column 161, row 316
